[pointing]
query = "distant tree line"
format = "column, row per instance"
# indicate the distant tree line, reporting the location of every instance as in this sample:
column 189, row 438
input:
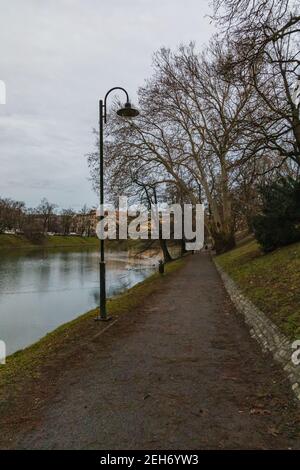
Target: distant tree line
column 45, row 219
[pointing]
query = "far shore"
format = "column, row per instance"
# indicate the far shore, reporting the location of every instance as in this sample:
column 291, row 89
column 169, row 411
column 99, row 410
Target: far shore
column 9, row 241
column 16, row 242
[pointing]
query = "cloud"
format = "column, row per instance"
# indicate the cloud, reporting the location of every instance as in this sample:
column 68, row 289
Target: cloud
column 57, row 59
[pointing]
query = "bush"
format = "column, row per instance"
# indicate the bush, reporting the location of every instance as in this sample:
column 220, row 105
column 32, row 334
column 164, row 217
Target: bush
column 33, row 230
column 279, row 223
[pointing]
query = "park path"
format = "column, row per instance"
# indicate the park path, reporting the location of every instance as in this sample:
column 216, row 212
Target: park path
column 180, row 372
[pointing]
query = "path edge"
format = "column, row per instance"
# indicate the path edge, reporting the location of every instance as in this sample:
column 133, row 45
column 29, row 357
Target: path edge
column 263, row 330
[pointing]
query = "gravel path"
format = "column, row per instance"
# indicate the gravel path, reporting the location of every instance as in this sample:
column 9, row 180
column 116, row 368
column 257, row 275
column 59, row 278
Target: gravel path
column 180, row 373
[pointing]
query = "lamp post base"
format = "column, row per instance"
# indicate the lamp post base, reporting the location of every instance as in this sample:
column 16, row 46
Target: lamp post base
column 103, row 319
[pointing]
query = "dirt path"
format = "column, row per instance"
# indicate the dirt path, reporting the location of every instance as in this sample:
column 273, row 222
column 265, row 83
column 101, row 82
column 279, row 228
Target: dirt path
column 180, row 373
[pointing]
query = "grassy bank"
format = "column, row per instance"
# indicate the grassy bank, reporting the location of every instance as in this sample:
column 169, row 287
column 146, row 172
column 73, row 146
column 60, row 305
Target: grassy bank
column 19, row 241
column 45, row 359
column 271, row 281
column 15, row 242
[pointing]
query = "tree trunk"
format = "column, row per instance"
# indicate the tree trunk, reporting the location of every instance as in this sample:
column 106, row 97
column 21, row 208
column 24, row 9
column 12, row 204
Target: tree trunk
column 223, row 241
column 182, row 247
column 164, row 247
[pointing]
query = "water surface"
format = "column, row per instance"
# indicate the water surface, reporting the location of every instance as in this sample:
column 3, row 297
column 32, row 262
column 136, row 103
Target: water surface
column 42, row 289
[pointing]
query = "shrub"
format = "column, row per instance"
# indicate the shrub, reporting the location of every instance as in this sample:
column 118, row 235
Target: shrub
column 33, row 230
column 279, row 223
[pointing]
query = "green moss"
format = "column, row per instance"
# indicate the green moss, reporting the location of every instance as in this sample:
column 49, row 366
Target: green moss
column 271, row 281
column 28, row 362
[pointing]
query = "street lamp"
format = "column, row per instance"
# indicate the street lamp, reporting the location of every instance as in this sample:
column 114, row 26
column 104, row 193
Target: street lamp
column 129, row 112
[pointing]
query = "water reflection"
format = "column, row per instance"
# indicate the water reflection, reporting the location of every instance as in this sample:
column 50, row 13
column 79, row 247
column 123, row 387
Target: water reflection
column 40, row 290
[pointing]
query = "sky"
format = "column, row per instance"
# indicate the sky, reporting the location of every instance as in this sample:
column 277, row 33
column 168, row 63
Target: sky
column 57, row 59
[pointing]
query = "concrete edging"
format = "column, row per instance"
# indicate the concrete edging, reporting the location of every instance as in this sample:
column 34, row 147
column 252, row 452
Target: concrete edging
column 266, row 333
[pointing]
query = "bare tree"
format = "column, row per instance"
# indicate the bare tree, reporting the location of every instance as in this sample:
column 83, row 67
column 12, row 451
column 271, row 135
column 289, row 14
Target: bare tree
column 189, row 133
column 11, row 214
column 67, row 218
column 264, row 38
column 222, row 121
column 33, row 226
column 46, row 210
column 85, row 220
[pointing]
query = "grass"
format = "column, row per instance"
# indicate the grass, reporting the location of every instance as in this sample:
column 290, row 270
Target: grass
column 58, row 347
column 19, row 241
column 8, row 241
column 271, row 281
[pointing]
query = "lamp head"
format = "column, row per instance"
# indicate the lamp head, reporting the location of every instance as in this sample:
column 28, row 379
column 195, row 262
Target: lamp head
column 128, row 111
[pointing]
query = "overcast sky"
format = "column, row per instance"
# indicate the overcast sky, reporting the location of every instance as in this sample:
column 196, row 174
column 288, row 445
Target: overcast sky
column 57, row 58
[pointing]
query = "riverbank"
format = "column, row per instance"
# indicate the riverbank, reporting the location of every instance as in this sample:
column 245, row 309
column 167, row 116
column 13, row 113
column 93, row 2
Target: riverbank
column 20, row 242
column 8, row 241
column 15, row 242
column 37, row 368
column 178, row 370
column 271, row 281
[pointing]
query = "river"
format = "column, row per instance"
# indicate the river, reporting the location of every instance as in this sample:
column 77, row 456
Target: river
column 42, row 289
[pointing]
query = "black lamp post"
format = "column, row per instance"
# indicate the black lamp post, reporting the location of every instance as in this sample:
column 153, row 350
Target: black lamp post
column 127, row 111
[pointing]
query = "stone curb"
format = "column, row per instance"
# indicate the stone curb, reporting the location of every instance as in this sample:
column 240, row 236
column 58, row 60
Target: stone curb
column 264, row 331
